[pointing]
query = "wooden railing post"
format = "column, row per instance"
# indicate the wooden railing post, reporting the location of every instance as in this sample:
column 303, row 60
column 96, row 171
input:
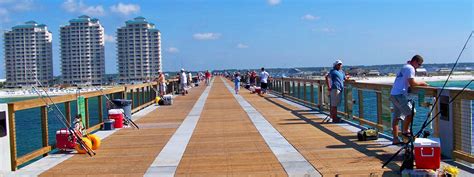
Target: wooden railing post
column 100, row 107
column 12, row 130
column 312, row 93
column 299, row 90
column 86, row 100
column 44, row 127
column 348, row 105
column 67, row 106
column 143, row 95
column 320, row 96
column 304, row 91
column 360, row 96
column 133, row 98
column 379, row 110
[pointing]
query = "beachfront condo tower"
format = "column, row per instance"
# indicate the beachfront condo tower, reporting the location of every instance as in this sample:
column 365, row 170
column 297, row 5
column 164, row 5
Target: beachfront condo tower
column 28, row 55
column 82, row 52
column 138, row 51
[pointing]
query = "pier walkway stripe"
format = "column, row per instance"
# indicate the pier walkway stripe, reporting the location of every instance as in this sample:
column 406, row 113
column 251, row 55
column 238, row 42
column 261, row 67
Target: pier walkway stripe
column 226, row 143
column 292, row 161
column 166, row 163
column 331, row 148
column 128, row 151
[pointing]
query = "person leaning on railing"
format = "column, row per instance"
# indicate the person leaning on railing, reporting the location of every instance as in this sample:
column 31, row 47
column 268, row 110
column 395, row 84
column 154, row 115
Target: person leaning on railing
column 335, row 88
column 402, row 109
column 162, row 83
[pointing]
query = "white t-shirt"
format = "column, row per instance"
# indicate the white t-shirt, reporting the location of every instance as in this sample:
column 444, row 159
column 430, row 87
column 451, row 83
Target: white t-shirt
column 183, row 78
column 264, row 76
column 401, row 84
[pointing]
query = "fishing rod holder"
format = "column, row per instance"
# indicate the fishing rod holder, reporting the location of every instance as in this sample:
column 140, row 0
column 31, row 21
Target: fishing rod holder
column 5, row 163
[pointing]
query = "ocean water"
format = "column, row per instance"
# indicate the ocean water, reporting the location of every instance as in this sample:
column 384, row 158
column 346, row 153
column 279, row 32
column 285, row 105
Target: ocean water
column 28, row 122
column 370, row 103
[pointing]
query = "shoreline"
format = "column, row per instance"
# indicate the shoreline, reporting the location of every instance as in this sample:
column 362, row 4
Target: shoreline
column 24, row 93
column 391, row 79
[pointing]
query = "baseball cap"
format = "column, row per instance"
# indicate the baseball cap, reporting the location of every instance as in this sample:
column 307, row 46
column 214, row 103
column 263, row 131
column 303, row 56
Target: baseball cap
column 337, row 62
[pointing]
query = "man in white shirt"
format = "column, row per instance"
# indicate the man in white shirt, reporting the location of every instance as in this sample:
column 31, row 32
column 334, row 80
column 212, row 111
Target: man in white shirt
column 399, row 95
column 264, row 80
column 183, row 81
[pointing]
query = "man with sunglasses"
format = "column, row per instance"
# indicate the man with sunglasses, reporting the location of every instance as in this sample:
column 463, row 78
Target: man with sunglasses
column 399, row 96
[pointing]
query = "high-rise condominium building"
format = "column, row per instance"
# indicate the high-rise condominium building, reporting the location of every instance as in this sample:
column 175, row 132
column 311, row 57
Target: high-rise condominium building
column 82, row 51
column 138, row 51
column 28, row 55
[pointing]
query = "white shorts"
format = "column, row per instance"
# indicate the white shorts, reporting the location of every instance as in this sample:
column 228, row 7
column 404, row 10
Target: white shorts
column 335, row 97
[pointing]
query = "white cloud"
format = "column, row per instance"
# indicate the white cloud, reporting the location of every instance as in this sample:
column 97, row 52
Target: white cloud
column 206, row 36
column 73, row 6
column 11, row 7
column 310, row 17
column 172, row 50
column 24, row 5
column 242, row 46
column 273, row 2
column 109, row 38
column 324, row 30
column 125, row 9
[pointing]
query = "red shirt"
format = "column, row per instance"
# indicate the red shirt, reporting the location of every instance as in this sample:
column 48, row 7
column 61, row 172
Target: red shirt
column 208, row 74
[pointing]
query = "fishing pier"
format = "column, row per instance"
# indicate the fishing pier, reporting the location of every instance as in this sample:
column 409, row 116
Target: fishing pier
column 214, row 132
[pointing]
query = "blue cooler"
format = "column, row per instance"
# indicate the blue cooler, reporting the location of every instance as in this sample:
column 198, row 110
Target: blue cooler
column 109, row 124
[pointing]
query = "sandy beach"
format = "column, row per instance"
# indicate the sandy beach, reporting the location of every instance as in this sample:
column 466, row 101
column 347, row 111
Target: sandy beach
column 17, row 93
column 390, row 79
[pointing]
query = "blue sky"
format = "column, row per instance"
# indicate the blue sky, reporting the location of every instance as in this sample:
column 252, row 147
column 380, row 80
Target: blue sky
column 222, row 34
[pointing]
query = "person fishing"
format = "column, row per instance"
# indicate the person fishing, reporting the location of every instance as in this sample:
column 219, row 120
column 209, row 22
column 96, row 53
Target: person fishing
column 402, row 109
column 162, row 83
column 183, row 82
column 264, row 76
column 335, row 82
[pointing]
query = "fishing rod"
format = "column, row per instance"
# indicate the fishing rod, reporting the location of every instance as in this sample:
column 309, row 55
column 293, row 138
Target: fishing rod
column 62, row 118
column 446, row 81
column 127, row 119
column 408, row 146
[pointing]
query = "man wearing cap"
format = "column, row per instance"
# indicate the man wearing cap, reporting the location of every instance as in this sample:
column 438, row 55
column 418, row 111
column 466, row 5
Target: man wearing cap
column 402, row 110
column 335, row 88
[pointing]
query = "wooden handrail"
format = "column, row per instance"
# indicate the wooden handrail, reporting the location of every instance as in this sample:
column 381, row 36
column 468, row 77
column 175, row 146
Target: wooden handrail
column 144, row 92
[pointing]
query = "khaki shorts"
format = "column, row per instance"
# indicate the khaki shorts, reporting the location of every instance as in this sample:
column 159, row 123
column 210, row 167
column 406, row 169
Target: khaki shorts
column 401, row 106
column 335, row 97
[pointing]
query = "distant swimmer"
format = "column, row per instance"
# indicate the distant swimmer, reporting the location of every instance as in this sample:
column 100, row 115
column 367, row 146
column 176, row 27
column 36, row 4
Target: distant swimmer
column 402, row 109
column 335, row 82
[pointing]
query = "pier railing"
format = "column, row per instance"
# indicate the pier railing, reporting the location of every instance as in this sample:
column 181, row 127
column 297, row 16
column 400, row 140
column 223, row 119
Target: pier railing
column 368, row 104
column 142, row 95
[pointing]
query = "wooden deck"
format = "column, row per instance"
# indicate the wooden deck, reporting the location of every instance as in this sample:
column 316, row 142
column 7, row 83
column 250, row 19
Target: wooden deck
column 225, row 142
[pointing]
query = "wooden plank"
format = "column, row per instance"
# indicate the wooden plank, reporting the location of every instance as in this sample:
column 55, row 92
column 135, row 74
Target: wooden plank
column 142, row 106
column 12, row 130
column 94, row 128
column 44, row 126
column 463, row 156
column 366, row 122
column 34, row 154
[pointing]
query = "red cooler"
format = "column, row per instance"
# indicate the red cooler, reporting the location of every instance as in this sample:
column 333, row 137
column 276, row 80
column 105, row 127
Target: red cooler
column 427, row 153
column 64, row 140
column 117, row 115
column 258, row 90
